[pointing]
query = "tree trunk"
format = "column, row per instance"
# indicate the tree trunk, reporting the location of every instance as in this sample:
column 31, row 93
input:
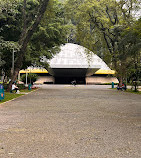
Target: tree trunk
column 24, row 40
column 14, row 78
column 135, row 86
column 120, row 81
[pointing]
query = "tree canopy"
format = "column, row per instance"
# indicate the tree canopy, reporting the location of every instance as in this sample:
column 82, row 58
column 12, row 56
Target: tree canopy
column 32, row 29
column 108, row 28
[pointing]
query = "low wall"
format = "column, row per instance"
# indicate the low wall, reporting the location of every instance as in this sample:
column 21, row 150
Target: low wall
column 45, row 79
column 89, row 80
column 101, row 80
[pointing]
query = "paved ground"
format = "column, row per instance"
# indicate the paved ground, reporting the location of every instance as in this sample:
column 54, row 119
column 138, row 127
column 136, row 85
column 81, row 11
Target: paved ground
column 71, row 122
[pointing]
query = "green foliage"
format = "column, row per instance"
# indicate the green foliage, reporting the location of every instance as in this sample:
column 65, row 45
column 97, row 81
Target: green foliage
column 14, row 18
column 2, row 62
column 8, row 33
column 21, row 86
column 5, row 86
column 10, row 96
column 50, row 34
column 110, row 29
column 131, row 46
column 30, row 78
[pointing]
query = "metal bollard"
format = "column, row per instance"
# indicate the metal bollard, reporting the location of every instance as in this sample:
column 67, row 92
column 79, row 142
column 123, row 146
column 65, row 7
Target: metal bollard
column 29, row 86
column 112, row 84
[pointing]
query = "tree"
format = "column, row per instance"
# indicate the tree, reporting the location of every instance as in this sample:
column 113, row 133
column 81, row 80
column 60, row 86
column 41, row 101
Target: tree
column 30, row 78
column 50, row 34
column 42, row 32
column 131, row 44
column 26, row 35
column 7, row 14
column 100, row 26
column 27, row 30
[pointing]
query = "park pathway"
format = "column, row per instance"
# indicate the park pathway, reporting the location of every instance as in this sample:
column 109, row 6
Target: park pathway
column 71, row 122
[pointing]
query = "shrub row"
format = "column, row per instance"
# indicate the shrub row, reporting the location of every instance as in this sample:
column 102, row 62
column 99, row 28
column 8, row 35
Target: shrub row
column 21, row 86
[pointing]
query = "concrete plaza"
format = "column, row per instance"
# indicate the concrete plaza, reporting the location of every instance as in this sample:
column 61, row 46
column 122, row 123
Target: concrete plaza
column 62, row 121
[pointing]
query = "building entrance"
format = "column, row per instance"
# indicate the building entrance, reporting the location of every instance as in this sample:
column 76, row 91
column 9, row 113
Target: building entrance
column 68, row 80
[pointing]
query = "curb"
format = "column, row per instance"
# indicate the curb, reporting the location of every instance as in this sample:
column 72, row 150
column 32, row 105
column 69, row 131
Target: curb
column 18, row 97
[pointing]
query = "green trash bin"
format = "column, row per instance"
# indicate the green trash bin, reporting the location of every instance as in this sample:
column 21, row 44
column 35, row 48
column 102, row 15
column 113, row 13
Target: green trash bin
column 112, row 84
column 29, row 87
column 1, row 92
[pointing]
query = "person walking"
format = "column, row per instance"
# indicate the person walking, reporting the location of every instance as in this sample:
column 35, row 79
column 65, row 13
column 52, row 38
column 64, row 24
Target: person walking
column 73, row 82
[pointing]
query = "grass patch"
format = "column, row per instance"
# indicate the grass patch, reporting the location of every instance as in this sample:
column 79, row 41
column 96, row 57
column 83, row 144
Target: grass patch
column 26, row 90
column 128, row 90
column 131, row 91
column 10, row 96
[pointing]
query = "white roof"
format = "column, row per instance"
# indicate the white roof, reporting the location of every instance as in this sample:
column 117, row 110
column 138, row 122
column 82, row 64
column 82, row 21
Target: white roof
column 76, row 56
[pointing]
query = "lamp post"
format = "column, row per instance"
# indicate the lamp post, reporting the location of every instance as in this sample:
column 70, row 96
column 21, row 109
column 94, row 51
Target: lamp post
column 26, row 79
column 13, row 53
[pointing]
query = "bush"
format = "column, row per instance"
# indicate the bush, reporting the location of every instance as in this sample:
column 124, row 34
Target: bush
column 5, row 86
column 21, row 86
column 30, row 78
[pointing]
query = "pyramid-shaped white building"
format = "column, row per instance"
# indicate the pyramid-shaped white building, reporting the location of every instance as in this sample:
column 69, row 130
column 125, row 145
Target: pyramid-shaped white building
column 75, row 61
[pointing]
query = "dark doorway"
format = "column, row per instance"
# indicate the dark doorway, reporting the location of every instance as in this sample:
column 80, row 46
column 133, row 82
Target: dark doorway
column 68, row 80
